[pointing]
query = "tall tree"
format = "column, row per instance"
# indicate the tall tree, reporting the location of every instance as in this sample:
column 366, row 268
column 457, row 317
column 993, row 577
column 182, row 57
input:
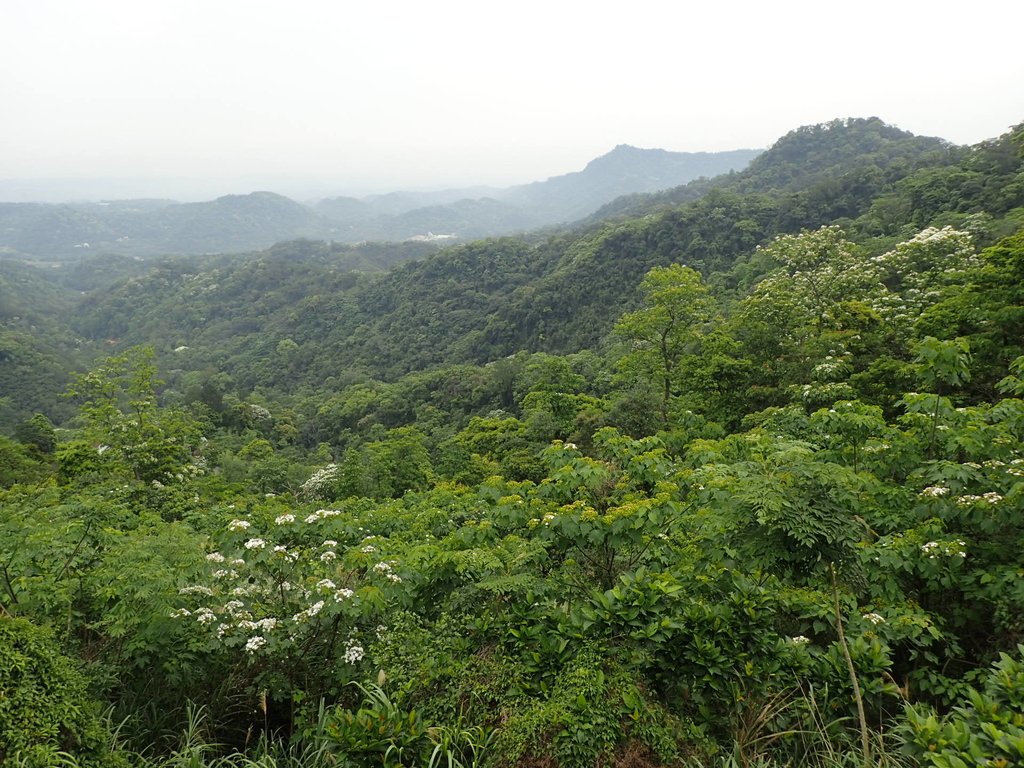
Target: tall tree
column 666, row 331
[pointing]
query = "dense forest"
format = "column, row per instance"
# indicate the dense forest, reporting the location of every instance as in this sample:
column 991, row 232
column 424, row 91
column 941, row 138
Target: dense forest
column 728, row 474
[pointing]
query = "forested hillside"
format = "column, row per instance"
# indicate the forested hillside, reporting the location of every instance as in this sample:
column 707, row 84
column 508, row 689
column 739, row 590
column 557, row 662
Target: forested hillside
column 560, row 294
column 730, row 477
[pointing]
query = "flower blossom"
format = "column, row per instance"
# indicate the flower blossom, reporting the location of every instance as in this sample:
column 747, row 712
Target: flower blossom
column 353, row 652
column 385, row 569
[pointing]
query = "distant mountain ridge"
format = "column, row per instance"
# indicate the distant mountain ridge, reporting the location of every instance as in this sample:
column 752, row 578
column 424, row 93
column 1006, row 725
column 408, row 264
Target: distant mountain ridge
column 623, row 171
column 556, row 293
column 383, row 310
column 259, row 219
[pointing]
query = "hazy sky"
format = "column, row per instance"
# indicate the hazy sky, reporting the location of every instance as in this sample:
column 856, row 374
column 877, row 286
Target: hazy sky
column 314, row 96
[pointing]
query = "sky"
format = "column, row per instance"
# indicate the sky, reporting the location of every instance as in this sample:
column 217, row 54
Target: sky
column 191, row 99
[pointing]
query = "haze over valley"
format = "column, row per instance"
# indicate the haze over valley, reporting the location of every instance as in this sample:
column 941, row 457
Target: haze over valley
column 260, row 219
column 547, row 385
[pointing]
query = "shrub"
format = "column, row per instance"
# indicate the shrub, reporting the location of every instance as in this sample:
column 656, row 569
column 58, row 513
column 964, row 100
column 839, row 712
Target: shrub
column 987, row 729
column 46, row 714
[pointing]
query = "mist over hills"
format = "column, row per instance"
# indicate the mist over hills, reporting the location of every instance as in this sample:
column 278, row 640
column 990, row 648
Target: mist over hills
column 383, row 310
column 259, row 219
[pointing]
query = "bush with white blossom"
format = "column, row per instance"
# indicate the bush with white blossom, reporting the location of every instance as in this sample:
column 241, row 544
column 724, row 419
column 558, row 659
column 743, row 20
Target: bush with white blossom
column 289, row 587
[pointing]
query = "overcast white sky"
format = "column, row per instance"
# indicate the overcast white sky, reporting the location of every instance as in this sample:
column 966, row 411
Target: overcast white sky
column 193, row 98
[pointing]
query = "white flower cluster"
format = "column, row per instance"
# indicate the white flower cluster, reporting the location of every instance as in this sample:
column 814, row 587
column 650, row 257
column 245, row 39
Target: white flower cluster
column 238, row 595
column 831, row 369
column 874, row 618
column 321, row 483
column 309, row 613
column 267, row 625
column 257, row 412
column 353, row 651
column 322, row 514
column 799, row 640
column 935, row 491
column 386, row 569
column 990, row 498
column 935, row 549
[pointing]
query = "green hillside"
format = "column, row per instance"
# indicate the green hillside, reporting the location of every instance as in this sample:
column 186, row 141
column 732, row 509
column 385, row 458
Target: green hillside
column 734, row 482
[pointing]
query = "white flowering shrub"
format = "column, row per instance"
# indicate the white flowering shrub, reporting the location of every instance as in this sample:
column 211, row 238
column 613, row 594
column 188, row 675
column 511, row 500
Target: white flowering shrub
column 322, row 483
column 256, row 413
column 291, row 590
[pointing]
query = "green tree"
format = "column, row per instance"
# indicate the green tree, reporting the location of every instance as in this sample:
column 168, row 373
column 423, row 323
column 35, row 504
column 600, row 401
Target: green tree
column 942, row 366
column 37, row 432
column 666, row 331
column 398, row 463
column 118, row 404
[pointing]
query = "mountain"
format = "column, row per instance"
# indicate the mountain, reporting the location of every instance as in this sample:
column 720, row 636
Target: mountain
column 623, row 171
column 150, row 228
column 235, row 223
column 824, row 154
column 561, row 292
column 383, row 310
column 483, row 211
